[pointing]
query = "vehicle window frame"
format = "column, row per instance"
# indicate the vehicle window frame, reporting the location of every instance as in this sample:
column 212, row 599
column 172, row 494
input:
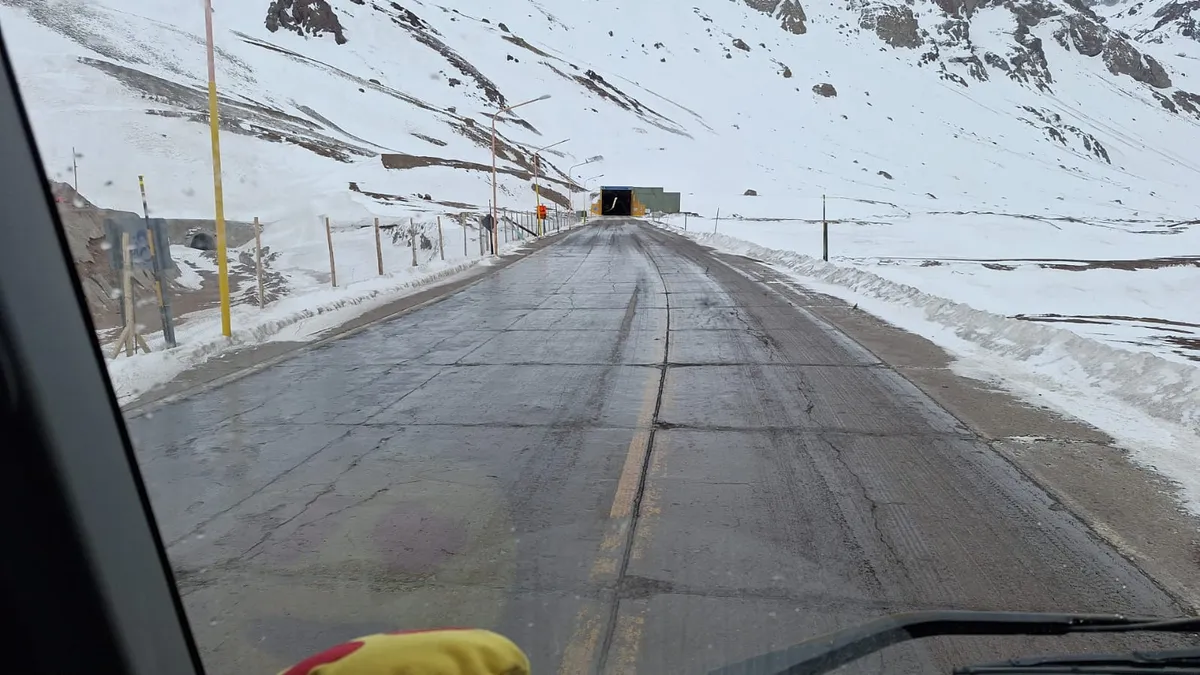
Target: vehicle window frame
column 85, row 549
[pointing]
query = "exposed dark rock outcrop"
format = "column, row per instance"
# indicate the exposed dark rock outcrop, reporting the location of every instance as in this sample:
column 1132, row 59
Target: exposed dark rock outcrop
column 1122, row 58
column 791, row 17
column 240, row 117
column 595, row 83
column 1088, row 37
column 1076, row 28
column 896, row 26
column 1056, row 129
column 424, row 33
column 1084, row 33
column 789, row 12
column 824, row 89
column 305, row 17
column 1182, row 17
column 1029, row 63
column 1187, row 101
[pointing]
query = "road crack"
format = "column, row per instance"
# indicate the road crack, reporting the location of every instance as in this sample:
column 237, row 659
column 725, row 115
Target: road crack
column 330, row 487
column 610, row 628
column 208, row 521
column 873, row 504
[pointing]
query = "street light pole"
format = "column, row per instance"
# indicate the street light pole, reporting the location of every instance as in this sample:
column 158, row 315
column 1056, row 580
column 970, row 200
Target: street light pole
column 584, row 183
column 495, row 194
column 571, row 176
column 537, row 191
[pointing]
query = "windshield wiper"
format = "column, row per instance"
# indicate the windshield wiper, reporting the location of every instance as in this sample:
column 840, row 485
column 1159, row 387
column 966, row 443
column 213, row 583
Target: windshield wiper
column 823, row 654
column 1174, row 661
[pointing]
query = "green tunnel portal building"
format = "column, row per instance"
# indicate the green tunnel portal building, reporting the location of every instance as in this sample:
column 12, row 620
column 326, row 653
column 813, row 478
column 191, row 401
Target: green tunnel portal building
column 635, row 201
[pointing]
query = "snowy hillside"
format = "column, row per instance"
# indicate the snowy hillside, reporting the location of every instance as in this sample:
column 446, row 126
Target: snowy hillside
column 1023, row 107
column 1015, row 179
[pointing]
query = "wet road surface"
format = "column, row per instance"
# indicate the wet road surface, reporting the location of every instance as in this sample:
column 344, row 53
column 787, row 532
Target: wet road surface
column 622, row 453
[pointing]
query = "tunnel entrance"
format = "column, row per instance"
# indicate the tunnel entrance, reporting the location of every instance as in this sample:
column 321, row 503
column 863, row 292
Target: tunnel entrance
column 616, row 201
column 202, row 241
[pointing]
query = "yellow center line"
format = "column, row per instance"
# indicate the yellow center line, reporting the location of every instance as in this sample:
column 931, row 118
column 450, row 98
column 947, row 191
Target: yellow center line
column 626, row 641
column 635, row 459
column 580, row 653
column 621, row 513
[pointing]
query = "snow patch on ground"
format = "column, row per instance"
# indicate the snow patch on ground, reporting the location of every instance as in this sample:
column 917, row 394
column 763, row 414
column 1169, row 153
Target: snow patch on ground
column 295, row 318
column 1146, row 402
column 190, row 263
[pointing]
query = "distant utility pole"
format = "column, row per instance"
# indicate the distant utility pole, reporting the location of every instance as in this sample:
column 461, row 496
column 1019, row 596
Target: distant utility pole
column 75, row 167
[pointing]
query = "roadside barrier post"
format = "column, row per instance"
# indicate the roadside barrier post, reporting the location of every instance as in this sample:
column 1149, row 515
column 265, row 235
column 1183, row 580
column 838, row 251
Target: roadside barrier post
column 258, row 269
column 329, row 242
column 441, row 242
column 378, row 249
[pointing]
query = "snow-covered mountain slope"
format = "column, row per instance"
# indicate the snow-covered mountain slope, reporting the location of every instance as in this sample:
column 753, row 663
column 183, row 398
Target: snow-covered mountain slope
column 1029, row 106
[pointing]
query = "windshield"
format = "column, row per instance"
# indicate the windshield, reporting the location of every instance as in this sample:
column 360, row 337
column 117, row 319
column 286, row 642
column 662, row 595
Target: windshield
column 651, row 336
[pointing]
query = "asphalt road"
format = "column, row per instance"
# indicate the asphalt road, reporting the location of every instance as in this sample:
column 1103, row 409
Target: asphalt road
column 620, row 452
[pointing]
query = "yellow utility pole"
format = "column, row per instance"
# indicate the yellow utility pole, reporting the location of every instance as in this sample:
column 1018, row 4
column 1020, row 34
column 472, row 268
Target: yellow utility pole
column 218, row 194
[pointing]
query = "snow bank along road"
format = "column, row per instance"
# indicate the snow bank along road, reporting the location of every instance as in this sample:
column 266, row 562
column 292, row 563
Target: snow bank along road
column 621, row 452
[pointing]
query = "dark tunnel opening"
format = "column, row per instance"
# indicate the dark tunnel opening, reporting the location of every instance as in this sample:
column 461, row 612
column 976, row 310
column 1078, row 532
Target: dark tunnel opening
column 616, row 201
column 202, row 241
